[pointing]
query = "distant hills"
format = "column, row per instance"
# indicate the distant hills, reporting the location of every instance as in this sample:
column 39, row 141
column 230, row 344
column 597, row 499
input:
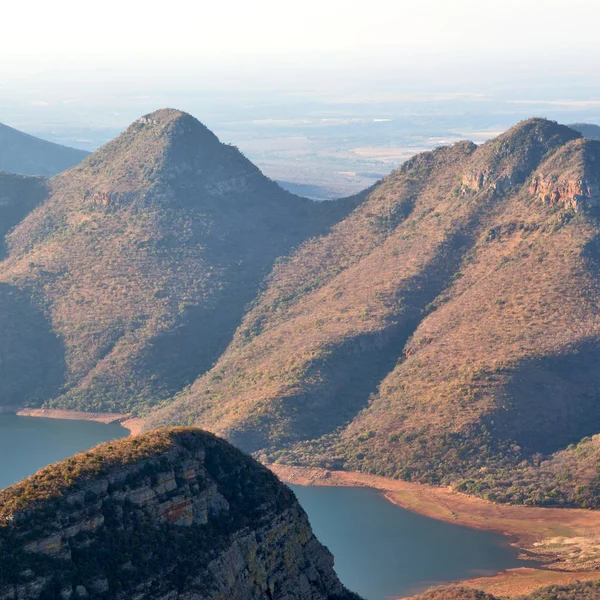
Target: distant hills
column 142, row 261
column 28, row 155
column 587, row 130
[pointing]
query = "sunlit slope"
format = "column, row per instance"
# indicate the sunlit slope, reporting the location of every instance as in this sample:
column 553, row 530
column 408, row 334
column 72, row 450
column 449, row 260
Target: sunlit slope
column 446, row 331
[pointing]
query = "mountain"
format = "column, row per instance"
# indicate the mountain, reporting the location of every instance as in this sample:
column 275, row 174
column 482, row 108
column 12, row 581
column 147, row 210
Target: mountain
column 587, row 130
column 137, row 267
column 447, row 331
column 171, row 514
column 29, row 155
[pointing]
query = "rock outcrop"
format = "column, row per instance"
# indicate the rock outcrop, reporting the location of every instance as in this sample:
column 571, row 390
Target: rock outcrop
column 571, row 178
column 172, row 514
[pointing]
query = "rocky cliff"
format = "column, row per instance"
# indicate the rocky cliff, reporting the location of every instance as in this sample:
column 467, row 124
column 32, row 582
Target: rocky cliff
column 171, row 514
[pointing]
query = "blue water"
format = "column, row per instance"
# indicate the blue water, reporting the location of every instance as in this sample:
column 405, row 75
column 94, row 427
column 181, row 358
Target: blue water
column 28, row 444
column 381, row 551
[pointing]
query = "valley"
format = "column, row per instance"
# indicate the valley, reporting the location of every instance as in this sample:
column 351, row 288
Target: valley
column 433, row 338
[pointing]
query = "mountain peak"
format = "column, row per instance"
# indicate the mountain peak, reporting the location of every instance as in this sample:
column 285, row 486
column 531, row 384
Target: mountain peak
column 159, row 152
column 172, row 122
column 512, row 157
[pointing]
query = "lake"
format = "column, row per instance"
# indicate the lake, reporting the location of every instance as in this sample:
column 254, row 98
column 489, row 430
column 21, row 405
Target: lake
column 30, row 443
column 381, row 551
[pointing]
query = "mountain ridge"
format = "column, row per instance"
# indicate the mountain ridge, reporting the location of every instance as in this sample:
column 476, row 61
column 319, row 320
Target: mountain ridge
column 175, row 512
column 409, row 341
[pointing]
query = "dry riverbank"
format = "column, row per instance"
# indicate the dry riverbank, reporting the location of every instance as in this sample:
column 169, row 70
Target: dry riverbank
column 75, row 415
column 565, row 541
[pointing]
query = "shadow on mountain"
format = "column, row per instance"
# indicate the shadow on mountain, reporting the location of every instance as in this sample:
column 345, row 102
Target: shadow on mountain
column 19, row 195
column 352, row 372
column 32, row 358
column 558, row 401
column 181, row 354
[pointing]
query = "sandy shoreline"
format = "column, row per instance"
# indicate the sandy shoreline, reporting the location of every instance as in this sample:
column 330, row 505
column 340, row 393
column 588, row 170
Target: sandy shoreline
column 565, row 541
column 134, row 425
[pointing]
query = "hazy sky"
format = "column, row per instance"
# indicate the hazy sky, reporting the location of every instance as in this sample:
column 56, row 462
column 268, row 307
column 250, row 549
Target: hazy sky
column 116, row 33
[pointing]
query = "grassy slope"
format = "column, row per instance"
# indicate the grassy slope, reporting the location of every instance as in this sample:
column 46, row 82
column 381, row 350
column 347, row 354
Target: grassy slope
column 446, row 331
column 143, row 259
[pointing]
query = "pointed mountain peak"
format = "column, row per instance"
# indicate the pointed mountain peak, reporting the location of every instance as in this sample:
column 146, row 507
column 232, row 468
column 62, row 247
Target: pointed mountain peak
column 160, row 153
column 171, row 122
column 512, row 157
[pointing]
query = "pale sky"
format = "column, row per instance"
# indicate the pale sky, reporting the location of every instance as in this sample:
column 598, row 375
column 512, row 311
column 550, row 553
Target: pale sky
column 304, row 30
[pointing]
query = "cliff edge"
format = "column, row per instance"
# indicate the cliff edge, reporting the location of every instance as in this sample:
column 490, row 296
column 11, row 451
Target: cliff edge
column 175, row 513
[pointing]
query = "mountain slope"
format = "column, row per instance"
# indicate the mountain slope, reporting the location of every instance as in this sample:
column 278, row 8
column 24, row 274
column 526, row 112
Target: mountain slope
column 19, row 195
column 176, row 513
column 143, row 258
column 29, row 155
column 447, row 331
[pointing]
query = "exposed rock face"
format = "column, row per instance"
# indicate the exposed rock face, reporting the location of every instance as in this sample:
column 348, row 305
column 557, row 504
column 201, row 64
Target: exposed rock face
column 171, row 514
column 509, row 159
column 571, row 178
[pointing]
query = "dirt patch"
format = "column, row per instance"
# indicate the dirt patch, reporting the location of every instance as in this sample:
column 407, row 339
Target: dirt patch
column 73, row 415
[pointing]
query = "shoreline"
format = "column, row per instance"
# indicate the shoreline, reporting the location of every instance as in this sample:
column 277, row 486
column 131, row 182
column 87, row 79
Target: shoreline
column 562, row 540
column 126, row 421
column 565, row 541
